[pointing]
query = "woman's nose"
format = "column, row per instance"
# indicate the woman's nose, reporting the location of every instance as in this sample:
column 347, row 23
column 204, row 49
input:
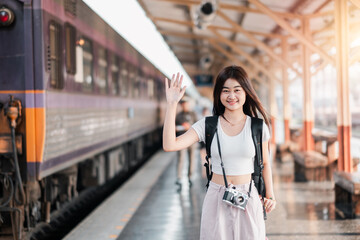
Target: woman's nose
column 231, row 95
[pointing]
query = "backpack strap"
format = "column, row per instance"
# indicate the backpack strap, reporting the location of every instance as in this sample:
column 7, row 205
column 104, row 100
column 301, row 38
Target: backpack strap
column 210, row 128
column 256, row 130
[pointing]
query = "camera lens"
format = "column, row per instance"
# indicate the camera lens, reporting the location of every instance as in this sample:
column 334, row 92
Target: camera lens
column 240, row 199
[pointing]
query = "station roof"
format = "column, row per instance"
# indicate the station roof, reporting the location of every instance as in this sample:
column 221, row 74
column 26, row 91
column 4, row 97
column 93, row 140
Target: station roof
column 248, row 33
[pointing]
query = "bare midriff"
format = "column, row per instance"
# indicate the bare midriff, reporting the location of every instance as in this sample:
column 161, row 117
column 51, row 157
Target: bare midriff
column 235, row 180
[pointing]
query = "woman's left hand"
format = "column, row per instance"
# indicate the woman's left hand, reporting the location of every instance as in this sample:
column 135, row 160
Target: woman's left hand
column 269, row 204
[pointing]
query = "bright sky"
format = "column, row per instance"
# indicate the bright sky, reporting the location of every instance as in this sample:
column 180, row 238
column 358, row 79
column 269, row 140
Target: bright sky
column 130, row 21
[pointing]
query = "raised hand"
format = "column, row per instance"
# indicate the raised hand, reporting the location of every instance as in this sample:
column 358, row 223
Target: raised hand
column 174, row 92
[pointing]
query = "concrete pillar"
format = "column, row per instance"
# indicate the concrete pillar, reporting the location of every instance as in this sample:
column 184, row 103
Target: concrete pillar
column 286, row 100
column 308, row 106
column 342, row 75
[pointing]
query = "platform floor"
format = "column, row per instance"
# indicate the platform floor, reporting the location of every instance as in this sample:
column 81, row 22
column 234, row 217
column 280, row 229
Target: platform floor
column 305, row 210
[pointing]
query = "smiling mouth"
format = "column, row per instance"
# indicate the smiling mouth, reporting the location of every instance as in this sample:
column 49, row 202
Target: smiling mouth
column 232, row 102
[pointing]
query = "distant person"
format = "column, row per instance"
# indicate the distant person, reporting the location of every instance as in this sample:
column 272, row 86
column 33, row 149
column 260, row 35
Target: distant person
column 184, row 120
column 236, row 106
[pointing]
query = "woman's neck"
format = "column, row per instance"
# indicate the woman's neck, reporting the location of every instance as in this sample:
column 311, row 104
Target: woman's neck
column 234, row 116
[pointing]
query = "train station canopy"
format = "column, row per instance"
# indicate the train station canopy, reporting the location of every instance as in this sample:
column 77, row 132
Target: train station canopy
column 206, row 35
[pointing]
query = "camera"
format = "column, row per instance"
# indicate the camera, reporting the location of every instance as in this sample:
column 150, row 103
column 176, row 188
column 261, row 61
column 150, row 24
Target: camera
column 205, row 13
column 235, row 198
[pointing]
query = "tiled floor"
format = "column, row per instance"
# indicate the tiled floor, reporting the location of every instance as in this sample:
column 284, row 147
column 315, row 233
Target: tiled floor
column 168, row 213
column 305, row 210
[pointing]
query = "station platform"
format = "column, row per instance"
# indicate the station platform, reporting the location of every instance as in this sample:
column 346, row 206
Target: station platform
column 150, row 206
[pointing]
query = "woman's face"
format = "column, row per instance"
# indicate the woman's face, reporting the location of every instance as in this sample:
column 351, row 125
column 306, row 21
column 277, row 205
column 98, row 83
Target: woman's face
column 232, row 95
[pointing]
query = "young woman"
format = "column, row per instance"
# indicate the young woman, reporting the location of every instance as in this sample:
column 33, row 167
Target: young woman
column 234, row 102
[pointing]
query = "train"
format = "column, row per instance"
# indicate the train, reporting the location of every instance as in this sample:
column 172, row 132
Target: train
column 78, row 106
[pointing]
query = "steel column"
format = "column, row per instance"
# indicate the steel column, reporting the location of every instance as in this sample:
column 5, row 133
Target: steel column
column 308, row 106
column 342, row 75
column 285, row 81
column 273, row 109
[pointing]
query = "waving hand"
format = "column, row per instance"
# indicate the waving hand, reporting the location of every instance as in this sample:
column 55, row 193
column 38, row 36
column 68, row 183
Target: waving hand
column 174, row 92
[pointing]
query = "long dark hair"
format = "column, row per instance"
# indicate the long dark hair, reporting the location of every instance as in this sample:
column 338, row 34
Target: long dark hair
column 252, row 103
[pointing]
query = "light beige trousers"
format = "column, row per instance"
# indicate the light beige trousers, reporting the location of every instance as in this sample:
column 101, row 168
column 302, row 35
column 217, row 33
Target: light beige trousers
column 220, row 221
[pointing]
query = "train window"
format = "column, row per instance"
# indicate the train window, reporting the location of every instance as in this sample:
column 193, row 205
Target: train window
column 160, row 91
column 70, row 48
column 132, row 79
column 115, row 75
column 101, row 80
column 150, row 88
column 124, row 78
column 136, row 83
column 88, row 66
column 56, row 79
column 155, row 88
column 144, row 86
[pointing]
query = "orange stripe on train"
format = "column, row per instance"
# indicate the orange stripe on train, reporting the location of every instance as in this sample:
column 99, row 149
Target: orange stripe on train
column 21, row 91
column 35, row 134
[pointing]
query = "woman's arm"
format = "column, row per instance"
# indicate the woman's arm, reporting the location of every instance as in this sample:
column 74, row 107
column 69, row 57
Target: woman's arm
column 174, row 93
column 270, row 201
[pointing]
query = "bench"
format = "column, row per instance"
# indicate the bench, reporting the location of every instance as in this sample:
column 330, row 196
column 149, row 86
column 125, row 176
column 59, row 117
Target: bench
column 311, row 166
column 283, row 151
column 325, row 143
column 347, row 194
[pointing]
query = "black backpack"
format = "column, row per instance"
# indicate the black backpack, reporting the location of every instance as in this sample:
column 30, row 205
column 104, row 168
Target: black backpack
column 256, row 130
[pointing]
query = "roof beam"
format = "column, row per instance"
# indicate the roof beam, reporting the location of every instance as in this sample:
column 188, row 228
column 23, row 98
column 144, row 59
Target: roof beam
column 317, row 12
column 191, row 24
column 185, row 45
column 291, row 30
column 322, row 6
column 356, row 3
column 245, row 44
column 271, row 35
column 253, row 10
column 232, row 58
column 355, row 57
column 190, row 53
column 259, row 43
column 243, row 53
column 184, row 35
column 233, row 7
column 181, row 22
column 227, row 54
column 320, row 67
column 182, row 2
column 330, row 26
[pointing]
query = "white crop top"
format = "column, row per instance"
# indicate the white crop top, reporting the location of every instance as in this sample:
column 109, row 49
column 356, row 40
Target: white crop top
column 238, row 152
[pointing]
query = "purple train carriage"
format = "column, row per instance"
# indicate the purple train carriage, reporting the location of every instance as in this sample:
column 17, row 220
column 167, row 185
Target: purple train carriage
column 78, row 104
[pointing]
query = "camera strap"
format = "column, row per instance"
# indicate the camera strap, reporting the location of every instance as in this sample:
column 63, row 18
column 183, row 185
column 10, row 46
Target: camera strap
column 222, row 164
